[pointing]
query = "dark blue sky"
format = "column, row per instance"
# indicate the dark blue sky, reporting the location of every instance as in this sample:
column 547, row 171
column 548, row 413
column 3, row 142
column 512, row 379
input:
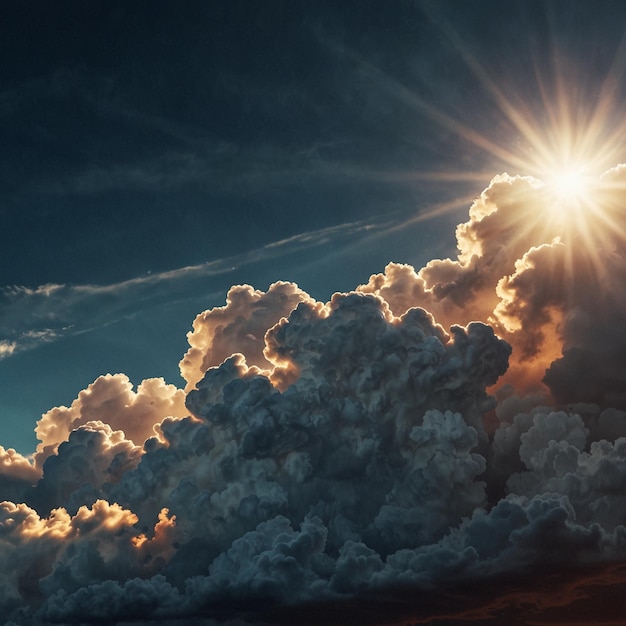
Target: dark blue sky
column 139, row 138
column 146, row 136
column 330, row 458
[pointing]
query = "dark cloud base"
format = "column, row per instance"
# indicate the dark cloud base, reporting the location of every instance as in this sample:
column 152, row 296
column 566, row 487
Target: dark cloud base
column 555, row 596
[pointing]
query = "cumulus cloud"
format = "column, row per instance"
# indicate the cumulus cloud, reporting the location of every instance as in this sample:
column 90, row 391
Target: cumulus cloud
column 462, row 421
column 239, row 326
column 500, row 230
column 92, row 456
column 551, row 287
column 42, row 555
column 110, row 399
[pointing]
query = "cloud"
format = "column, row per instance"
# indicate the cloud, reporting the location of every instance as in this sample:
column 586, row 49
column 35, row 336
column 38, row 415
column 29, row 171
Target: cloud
column 42, row 554
column 7, row 348
column 505, row 223
column 550, row 288
column 110, row 399
column 239, row 326
column 459, row 422
column 92, row 456
column 30, row 317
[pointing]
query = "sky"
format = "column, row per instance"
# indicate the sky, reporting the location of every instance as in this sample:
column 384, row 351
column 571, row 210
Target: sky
column 312, row 312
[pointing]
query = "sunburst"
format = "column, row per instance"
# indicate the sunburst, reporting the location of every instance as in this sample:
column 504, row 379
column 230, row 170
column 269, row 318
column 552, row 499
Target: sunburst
column 570, row 186
column 547, row 126
column 566, row 142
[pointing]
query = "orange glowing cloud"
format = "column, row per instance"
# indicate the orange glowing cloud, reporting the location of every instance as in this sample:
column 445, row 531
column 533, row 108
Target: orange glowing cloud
column 112, row 400
column 157, row 550
column 238, row 327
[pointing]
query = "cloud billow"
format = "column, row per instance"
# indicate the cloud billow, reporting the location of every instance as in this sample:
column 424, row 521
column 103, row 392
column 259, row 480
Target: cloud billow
column 397, row 435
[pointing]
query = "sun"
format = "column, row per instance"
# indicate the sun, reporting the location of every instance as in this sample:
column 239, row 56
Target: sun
column 569, row 185
column 576, row 207
column 570, row 190
column 566, row 140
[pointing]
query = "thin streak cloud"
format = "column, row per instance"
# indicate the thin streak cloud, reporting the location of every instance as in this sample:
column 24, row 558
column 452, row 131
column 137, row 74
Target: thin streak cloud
column 30, row 317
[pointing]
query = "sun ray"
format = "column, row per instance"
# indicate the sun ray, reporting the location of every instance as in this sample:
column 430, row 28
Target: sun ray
column 437, row 210
column 557, row 131
column 608, row 95
column 520, row 121
column 437, row 176
column 419, row 105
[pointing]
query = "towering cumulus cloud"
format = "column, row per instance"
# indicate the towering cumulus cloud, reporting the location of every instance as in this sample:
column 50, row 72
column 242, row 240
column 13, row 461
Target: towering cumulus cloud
column 462, row 421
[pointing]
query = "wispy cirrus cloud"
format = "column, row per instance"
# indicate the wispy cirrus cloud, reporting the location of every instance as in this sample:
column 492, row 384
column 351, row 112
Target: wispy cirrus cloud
column 32, row 316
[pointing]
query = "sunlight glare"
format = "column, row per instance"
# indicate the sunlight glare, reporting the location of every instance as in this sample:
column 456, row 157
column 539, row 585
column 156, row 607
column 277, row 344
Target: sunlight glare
column 571, row 197
column 569, row 184
column 570, row 190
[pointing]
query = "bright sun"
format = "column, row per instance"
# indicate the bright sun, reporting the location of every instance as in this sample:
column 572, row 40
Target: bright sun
column 572, row 199
column 569, row 190
column 569, row 185
column 565, row 144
